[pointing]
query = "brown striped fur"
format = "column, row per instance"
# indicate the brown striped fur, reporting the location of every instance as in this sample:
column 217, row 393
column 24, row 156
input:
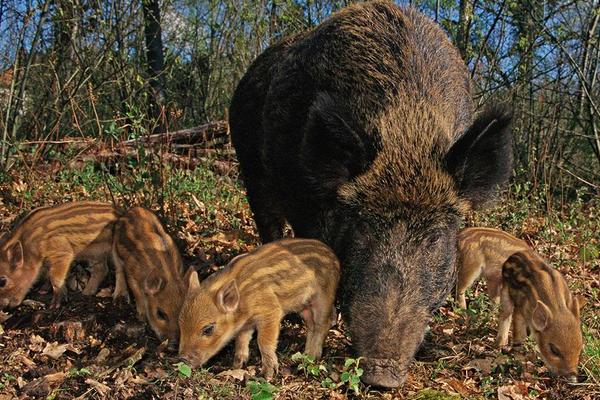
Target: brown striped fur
column 55, row 237
column 146, row 256
column 482, row 251
column 256, row 290
column 536, row 297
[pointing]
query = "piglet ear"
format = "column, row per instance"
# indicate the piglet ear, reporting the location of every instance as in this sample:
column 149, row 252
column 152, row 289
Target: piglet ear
column 481, row 159
column 188, row 275
column 153, row 284
column 541, row 316
column 15, row 255
column 228, row 297
column 578, row 303
column 191, row 279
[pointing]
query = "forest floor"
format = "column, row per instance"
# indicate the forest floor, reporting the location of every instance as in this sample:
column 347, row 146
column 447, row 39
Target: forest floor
column 91, row 348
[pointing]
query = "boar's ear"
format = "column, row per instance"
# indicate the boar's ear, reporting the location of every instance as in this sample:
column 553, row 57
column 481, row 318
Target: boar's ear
column 191, row 279
column 228, row 297
column 481, row 159
column 153, row 284
column 331, row 151
column 541, row 316
column 14, row 255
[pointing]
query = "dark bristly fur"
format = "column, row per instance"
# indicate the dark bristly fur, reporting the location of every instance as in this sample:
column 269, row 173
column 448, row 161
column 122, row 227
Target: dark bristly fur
column 359, row 133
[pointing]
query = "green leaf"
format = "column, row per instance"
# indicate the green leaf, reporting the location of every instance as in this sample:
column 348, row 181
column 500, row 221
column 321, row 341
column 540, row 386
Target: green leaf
column 349, row 362
column 184, row 369
column 345, row 376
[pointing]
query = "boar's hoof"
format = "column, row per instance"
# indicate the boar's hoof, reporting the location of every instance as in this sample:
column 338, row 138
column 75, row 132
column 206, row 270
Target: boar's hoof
column 382, row 372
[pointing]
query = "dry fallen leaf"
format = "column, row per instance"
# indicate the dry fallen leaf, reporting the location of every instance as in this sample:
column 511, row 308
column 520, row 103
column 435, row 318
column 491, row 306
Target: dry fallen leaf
column 41, row 386
column 458, row 386
column 512, row 392
column 36, row 343
column 55, row 350
column 27, row 362
column 36, row 305
column 101, row 388
column 102, row 355
column 237, row 374
column 483, row 365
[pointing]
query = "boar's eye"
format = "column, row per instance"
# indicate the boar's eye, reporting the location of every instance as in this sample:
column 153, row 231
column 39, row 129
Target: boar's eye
column 208, row 330
column 3, row 281
column 433, row 238
column 161, row 315
column 554, row 350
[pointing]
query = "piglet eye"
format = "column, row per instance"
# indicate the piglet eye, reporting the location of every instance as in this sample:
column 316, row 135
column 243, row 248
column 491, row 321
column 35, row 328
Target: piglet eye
column 208, row 330
column 162, row 315
column 554, row 350
column 3, row 281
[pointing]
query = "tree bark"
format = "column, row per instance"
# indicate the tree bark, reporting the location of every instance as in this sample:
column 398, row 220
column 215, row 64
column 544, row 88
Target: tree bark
column 464, row 28
column 156, row 62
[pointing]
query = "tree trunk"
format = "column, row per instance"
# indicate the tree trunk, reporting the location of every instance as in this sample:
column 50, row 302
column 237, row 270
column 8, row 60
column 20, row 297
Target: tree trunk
column 156, row 63
column 464, row 28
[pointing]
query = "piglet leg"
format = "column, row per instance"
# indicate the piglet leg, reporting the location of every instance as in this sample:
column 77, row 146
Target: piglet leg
column 519, row 328
column 268, row 334
column 58, row 270
column 97, row 275
column 242, row 348
column 318, row 322
column 120, row 291
column 506, row 311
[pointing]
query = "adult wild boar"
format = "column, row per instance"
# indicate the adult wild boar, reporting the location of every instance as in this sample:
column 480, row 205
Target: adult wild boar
column 359, row 133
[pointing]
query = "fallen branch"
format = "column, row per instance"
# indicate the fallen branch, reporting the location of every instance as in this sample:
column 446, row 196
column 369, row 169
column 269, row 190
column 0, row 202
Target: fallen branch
column 198, row 134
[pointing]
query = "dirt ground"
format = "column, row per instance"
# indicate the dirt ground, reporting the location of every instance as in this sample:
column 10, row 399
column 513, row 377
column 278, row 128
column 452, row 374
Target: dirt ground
column 92, row 348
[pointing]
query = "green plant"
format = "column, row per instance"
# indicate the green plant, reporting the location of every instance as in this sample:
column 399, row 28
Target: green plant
column 261, row 389
column 431, row 394
column 307, row 364
column 184, row 369
column 351, row 374
column 488, row 385
column 75, row 373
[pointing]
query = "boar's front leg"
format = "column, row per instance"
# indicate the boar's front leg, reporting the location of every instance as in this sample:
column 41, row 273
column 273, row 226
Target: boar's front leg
column 269, row 220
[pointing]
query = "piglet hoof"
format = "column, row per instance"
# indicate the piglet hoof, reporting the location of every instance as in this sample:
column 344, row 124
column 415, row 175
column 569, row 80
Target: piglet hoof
column 268, row 371
column 120, row 298
column 90, row 290
column 57, row 299
column 239, row 361
column 381, row 372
